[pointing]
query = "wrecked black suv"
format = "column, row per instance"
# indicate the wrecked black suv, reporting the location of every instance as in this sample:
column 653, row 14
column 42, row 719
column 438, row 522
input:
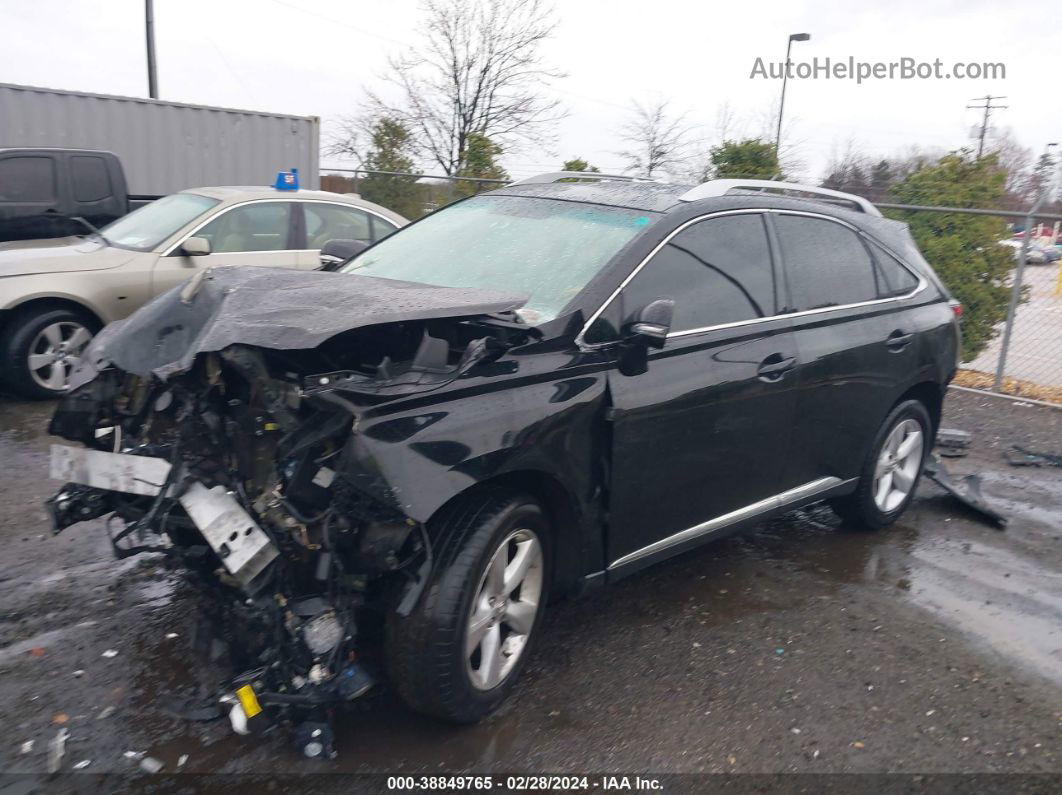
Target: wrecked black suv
column 528, row 393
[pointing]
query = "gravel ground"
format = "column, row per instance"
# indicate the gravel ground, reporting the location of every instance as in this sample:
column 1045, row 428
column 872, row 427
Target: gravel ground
column 932, row 647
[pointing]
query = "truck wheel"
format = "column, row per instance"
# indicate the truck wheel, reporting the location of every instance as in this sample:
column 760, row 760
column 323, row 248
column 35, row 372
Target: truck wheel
column 459, row 652
column 39, row 350
column 890, row 474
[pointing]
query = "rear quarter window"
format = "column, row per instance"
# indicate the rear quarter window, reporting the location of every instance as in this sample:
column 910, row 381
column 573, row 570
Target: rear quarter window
column 896, row 278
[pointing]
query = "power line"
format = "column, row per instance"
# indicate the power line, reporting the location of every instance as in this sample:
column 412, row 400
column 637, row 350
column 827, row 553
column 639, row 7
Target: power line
column 988, row 107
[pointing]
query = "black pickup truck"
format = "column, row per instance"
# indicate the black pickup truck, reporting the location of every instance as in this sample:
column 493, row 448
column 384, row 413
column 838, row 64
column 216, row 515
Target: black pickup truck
column 59, row 192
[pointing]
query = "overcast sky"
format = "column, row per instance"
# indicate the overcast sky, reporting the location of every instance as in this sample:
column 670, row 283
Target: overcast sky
column 314, row 57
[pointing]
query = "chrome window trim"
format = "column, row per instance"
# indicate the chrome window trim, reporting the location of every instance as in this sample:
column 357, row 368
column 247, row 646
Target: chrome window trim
column 293, row 199
column 922, row 282
column 791, row 496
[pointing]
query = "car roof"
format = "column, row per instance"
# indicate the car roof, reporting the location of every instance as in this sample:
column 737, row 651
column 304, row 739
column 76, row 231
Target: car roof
column 653, row 196
column 231, row 194
column 665, row 197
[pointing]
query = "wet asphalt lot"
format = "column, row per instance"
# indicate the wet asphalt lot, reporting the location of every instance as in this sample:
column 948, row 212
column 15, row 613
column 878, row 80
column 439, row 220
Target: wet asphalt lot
column 934, row 646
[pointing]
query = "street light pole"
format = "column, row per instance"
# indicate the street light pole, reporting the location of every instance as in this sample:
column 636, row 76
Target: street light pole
column 149, row 21
column 785, row 77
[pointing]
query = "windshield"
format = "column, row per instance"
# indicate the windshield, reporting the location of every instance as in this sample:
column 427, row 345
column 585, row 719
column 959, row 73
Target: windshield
column 542, row 248
column 145, row 228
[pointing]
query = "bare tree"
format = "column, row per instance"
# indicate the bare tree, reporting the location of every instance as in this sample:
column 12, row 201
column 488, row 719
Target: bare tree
column 658, row 141
column 1016, row 160
column 349, row 137
column 478, row 72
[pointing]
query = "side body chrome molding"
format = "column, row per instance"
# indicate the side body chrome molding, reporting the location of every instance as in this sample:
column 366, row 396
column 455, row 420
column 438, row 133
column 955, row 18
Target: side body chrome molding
column 790, row 497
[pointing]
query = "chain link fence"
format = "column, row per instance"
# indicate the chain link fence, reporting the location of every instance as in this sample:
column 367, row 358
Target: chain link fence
column 1025, row 356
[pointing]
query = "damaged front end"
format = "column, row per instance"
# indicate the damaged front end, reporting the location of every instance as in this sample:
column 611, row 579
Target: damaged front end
column 232, row 453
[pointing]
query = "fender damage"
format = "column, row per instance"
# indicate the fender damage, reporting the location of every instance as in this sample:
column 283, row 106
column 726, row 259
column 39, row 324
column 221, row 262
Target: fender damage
column 222, row 426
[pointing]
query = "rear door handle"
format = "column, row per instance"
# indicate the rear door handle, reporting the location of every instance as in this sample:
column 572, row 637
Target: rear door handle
column 774, row 367
column 897, row 341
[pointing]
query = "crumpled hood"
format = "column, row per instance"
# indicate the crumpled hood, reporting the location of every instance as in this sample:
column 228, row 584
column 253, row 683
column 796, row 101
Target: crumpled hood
column 61, row 255
column 270, row 308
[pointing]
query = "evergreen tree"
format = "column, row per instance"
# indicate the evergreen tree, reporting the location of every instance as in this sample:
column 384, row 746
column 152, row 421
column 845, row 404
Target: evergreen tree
column 390, row 151
column 963, row 249
column 751, row 158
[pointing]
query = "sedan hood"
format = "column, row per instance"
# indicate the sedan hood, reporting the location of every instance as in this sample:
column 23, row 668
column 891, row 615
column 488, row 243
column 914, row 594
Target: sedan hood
column 269, row 308
column 61, row 255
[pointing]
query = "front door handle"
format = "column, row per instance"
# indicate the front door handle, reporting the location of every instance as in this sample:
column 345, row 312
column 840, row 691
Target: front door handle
column 775, row 366
column 897, row 341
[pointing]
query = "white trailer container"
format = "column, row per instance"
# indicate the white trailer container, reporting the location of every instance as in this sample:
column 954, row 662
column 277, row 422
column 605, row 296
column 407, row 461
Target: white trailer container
column 164, row 146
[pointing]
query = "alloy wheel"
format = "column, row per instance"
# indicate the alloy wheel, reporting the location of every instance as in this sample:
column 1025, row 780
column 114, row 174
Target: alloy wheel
column 504, row 609
column 55, row 352
column 898, row 464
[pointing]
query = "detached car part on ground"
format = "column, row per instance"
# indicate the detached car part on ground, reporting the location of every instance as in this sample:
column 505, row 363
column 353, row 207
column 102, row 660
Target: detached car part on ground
column 326, row 449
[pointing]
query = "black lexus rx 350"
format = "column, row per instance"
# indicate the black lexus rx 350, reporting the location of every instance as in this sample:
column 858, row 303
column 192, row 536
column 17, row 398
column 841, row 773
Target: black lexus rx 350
column 528, row 393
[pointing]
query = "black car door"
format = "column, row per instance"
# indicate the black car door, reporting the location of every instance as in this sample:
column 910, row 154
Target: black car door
column 850, row 361
column 705, row 430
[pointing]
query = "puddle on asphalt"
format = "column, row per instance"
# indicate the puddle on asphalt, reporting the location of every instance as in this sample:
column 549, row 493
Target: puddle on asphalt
column 1009, row 602
column 958, row 570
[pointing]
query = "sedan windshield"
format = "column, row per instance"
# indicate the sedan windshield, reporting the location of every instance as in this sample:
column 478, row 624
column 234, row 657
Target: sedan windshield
column 542, row 248
column 145, row 228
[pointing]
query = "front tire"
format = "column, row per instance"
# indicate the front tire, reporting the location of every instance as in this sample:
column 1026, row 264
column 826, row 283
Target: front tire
column 39, row 349
column 892, row 468
column 458, row 654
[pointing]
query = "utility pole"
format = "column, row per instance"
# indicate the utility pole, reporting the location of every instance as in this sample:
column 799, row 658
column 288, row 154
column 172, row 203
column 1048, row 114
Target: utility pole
column 988, row 107
column 149, row 20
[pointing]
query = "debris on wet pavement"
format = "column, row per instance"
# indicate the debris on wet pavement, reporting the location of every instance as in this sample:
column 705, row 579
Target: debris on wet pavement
column 26, row 747
column 967, row 491
column 110, row 653
column 150, row 764
column 82, row 764
column 181, row 760
column 804, row 597
column 953, row 442
column 56, row 751
column 1018, row 456
column 106, row 712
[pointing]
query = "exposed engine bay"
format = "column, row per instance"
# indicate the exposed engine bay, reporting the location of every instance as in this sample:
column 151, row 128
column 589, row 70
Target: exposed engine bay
column 240, row 465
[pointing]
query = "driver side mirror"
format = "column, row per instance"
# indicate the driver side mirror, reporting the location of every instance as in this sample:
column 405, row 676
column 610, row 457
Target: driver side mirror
column 195, row 247
column 653, row 323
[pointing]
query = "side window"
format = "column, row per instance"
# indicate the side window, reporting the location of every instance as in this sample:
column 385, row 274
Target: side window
column 896, row 278
column 27, row 179
column 262, row 226
column 326, row 222
column 380, row 228
column 92, row 181
column 826, row 263
column 716, row 271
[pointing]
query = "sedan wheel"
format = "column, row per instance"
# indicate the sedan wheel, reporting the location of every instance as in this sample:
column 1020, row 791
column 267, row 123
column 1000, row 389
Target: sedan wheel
column 55, row 352
column 504, row 609
column 898, row 465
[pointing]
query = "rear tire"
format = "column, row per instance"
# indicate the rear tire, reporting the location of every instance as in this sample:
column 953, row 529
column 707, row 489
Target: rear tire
column 40, row 348
column 889, row 477
column 459, row 653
